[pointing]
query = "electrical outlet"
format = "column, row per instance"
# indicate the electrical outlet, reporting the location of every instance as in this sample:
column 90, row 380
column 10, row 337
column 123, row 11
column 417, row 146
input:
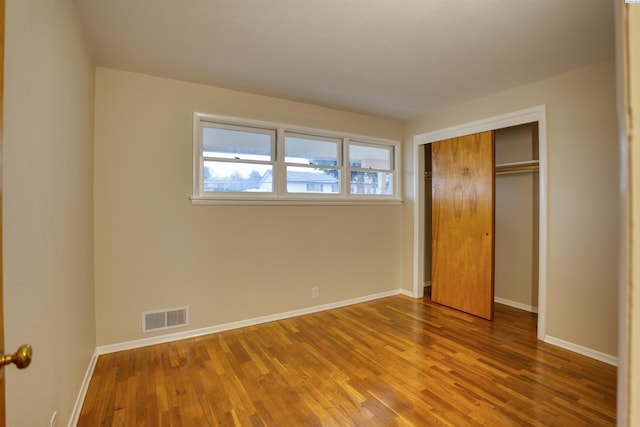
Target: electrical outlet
column 54, row 419
column 315, row 292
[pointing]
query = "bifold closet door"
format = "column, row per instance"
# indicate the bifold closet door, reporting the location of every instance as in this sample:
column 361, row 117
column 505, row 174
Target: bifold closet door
column 463, row 223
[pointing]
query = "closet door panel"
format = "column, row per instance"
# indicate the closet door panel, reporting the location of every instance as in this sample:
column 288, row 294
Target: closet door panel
column 463, row 223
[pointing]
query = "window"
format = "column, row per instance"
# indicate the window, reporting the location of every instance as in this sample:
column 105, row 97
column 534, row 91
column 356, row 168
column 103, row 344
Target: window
column 235, row 159
column 312, row 163
column 371, row 168
column 243, row 161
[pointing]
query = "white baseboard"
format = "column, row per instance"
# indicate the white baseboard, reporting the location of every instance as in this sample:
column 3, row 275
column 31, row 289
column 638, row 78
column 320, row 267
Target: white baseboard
column 515, row 304
column 585, row 351
column 504, row 301
column 128, row 345
column 77, row 408
column 407, row 293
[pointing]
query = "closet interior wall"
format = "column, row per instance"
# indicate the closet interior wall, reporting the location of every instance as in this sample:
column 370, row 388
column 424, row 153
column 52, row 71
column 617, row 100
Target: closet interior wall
column 516, row 219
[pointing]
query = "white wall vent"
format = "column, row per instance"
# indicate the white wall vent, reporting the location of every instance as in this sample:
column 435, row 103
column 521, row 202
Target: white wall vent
column 165, row 319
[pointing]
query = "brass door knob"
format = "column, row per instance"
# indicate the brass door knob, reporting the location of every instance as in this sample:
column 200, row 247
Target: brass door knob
column 20, row 358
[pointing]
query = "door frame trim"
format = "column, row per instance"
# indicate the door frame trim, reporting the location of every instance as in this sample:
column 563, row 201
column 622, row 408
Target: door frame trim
column 535, row 114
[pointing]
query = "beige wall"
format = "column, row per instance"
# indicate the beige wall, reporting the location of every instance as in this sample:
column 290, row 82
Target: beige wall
column 583, row 198
column 154, row 250
column 516, row 218
column 47, row 176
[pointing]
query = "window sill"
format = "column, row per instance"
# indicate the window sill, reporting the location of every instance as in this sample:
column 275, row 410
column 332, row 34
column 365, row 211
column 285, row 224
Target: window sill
column 199, row 200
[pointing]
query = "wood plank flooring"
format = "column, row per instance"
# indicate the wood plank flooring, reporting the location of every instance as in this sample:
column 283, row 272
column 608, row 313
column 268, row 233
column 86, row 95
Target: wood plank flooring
column 395, row 361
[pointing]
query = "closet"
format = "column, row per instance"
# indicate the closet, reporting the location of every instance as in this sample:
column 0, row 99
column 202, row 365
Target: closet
column 515, row 234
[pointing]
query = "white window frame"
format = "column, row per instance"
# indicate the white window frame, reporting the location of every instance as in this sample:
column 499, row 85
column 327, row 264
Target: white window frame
column 284, row 193
column 280, row 194
column 349, row 168
column 271, row 162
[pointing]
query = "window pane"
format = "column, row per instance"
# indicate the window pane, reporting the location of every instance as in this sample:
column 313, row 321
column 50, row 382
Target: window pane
column 367, row 156
column 364, row 182
column 236, row 144
column 308, row 150
column 237, row 177
column 313, row 180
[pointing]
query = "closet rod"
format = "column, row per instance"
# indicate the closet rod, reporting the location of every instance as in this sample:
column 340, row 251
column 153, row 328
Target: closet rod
column 512, row 164
column 505, row 170
column 517, row 169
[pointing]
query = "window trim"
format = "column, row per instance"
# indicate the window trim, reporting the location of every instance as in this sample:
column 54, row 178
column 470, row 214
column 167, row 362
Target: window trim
column 280, row 196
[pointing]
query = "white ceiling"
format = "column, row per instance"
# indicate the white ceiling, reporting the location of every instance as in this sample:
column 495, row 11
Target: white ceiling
column 394, row 58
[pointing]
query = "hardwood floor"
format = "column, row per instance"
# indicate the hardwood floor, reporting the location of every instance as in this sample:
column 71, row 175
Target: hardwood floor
column 395, row 361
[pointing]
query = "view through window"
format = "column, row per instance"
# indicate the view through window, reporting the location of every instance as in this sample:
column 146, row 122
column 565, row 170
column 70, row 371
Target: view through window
column 242, row 160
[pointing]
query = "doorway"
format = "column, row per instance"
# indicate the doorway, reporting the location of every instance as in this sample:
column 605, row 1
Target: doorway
column 532, row 115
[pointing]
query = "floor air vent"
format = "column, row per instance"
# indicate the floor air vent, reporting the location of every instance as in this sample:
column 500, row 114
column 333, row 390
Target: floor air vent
column 165, row 319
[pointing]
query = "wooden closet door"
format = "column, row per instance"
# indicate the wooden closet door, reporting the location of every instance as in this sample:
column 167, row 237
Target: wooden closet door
column 463, row 223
